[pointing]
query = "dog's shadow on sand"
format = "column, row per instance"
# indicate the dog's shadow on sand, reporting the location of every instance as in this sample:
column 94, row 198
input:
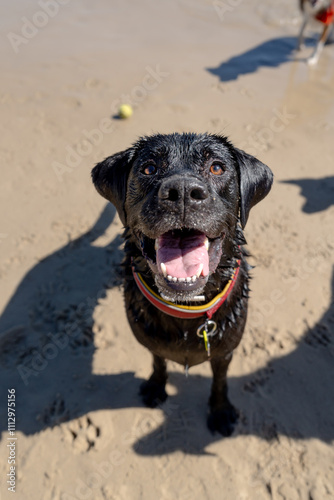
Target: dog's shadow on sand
column 292, row 395
column 47, row 348
column 318, row 193
column 270, row 54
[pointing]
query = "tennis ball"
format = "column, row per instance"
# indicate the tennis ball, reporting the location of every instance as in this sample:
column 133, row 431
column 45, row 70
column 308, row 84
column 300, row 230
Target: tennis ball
column 125, row 111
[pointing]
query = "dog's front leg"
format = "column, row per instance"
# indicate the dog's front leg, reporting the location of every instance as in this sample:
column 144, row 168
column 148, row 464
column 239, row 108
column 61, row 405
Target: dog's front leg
column 301, row 33
column 153, row 390
column 223, row 415
column 320, row 45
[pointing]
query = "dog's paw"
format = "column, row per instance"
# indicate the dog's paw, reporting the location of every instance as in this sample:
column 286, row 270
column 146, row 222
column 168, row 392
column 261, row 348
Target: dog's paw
column 223, row 420
column 153, row 394
column 312, row 61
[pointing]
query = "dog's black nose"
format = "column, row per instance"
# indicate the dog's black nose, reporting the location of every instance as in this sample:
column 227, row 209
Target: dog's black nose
column 183, row 190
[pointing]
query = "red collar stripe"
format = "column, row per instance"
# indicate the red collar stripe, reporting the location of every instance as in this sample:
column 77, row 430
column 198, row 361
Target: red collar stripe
column 182, row 311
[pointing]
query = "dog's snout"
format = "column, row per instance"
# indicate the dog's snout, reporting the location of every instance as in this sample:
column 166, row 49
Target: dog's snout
column 183, row 190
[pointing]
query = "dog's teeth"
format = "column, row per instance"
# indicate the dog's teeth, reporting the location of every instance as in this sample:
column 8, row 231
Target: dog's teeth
column 163, row 269
column 199, row 270
column 206, row 243
column 156, row 245
column 189, row 279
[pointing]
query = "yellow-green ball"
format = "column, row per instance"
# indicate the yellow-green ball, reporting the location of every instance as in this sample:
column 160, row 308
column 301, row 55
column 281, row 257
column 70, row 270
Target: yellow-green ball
column 125, row 111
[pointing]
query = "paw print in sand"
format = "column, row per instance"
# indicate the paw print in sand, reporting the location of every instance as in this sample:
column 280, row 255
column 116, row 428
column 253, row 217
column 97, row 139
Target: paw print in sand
column 83, row 434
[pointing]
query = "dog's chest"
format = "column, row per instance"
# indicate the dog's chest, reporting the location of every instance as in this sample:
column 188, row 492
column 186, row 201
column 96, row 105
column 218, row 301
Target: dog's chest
column 187, row 342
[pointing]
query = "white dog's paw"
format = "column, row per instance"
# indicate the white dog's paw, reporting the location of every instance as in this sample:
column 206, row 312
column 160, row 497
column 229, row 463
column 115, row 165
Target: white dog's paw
column 312, row 61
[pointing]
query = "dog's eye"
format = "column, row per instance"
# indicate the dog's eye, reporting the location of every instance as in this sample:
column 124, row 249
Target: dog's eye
column 217, row 168
column 149, row 169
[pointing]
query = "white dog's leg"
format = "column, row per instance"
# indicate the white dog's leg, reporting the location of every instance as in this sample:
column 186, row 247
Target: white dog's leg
column 320, row 45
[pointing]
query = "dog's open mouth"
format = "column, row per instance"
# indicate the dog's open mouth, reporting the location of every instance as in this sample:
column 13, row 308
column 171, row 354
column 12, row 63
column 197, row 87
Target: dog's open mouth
column 182, row 256
column 182, row 259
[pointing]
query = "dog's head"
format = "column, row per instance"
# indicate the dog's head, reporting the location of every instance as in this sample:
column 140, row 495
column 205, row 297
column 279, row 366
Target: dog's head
column 182, row 197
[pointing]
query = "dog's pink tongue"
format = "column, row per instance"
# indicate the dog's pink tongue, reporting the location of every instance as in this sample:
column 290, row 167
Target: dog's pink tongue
column 183, row 256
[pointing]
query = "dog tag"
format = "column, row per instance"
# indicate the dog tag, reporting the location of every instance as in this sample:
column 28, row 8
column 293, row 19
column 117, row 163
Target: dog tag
column 205, row 331
column 206, row 342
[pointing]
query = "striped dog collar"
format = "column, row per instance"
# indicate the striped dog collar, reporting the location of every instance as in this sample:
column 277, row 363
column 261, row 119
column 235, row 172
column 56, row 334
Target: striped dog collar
column 182, row 311
column 326, row 16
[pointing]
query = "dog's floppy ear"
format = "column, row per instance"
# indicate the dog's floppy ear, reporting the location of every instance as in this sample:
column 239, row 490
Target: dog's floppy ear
column 255, row 180
column 110, row 179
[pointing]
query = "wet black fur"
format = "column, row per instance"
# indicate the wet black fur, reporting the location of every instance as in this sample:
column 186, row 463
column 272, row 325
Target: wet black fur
column 218, row 205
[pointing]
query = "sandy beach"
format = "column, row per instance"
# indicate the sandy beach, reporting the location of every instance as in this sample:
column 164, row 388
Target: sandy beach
column 68, row 359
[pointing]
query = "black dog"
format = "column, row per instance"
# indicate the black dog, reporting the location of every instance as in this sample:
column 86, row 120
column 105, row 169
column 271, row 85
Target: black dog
column 184, row 200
